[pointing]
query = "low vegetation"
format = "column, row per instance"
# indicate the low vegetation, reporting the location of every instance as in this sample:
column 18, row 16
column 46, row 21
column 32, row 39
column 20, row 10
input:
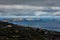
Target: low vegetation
column 9, row 31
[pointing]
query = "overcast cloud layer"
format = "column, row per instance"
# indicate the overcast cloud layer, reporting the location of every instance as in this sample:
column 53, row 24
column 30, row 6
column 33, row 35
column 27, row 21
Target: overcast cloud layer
column 29, row 7
column 32, row 2
column 27, row 10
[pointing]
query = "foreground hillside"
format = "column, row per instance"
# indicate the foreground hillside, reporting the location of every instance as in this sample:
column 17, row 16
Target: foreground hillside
column 9, row 31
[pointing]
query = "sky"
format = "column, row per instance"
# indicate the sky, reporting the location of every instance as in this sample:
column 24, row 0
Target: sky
column 32, row 2
column 30, row 7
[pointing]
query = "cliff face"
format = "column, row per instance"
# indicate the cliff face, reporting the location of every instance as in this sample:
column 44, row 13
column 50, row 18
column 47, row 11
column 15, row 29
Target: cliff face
column 9, row 31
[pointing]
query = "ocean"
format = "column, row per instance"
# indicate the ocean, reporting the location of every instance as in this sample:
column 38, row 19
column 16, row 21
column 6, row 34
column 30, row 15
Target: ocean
column 43, row 24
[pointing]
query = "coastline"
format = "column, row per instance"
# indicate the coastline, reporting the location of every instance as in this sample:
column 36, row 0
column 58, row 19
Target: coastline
column 18, row 32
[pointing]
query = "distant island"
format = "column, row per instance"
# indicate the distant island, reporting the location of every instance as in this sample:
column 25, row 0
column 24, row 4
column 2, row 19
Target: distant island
column 9, row 31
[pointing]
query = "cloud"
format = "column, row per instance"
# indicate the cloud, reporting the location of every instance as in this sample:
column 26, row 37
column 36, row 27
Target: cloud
column 32, row 2
column 22, row 7
column 56, row 13
column 27, row 10
column 41, row 13
column 29, row 7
